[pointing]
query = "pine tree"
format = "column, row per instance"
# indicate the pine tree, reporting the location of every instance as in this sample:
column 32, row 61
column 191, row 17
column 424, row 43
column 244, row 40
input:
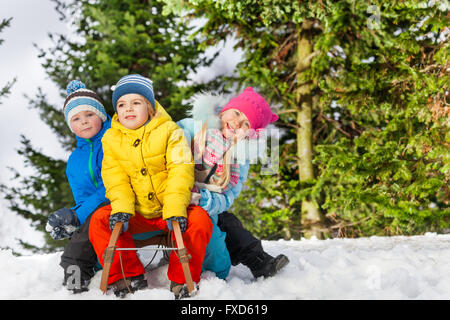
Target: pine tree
column 361, row 92
column 6, row 89
column 112, row 38
column 390, row 88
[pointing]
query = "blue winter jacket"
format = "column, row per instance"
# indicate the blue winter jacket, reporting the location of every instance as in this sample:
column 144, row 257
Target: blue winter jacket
column 84, row 174
column 217, row 257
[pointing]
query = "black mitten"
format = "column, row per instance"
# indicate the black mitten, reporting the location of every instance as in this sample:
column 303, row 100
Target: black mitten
column 62, row 223
column 119, row 216
column 181, row 220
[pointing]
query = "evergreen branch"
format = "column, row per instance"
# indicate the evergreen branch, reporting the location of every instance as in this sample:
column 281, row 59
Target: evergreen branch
column 337, row 125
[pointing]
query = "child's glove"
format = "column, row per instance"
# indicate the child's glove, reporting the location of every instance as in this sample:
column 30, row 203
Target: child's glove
column 181, row 220
column 119, row 216
column 62, row 223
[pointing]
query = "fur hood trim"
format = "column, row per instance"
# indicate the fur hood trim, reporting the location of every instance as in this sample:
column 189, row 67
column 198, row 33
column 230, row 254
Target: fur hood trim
column 206, row 106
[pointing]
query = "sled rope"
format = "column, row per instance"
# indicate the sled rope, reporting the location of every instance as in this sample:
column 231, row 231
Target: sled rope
column 149, row 249
column 164, row 250
column 123, row 272
column 159, row 248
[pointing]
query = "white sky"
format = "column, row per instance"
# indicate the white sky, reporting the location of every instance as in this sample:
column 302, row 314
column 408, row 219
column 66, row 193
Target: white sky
column 32, row 21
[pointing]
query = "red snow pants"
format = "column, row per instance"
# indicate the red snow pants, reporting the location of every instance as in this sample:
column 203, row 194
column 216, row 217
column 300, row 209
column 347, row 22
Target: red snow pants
column 195, row 238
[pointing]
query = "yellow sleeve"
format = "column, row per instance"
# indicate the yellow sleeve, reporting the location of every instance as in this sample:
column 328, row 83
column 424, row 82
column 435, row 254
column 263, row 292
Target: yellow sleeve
column 116, row 180
column 180, row 179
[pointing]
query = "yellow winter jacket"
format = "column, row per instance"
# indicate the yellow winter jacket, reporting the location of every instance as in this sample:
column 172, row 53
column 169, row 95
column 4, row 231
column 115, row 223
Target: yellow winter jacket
column 149, row 170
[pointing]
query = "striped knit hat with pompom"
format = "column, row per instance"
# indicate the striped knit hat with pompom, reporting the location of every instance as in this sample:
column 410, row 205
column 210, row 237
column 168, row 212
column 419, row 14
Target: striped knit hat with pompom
column 81, row 99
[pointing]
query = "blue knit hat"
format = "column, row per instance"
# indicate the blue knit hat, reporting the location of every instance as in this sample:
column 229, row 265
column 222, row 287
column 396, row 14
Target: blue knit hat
column 81, row 99
column 134, row 83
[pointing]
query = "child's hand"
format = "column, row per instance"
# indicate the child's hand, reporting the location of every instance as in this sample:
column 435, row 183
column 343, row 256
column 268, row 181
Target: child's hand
column 62, row 223
column 119, row 216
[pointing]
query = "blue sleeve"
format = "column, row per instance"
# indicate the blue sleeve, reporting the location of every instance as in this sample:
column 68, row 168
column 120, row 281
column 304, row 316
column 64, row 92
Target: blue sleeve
column 215, row 203
column 187, row 125
column 86, row 204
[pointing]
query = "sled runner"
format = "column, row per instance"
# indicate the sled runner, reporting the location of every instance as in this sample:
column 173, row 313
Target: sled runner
column 161, row 239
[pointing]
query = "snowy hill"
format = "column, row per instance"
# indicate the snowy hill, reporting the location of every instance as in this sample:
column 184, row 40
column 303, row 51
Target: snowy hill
column 367, row 268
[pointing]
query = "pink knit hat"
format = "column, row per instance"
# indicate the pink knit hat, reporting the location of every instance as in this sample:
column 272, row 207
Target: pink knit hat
column 255, row 108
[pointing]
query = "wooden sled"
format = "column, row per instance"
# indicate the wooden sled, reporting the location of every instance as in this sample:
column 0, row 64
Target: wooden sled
column 155, row 240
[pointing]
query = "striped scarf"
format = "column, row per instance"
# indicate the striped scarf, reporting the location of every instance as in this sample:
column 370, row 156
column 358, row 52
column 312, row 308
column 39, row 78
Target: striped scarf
column 215, row 147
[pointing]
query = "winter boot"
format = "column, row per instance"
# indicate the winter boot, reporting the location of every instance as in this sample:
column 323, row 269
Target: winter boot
column 83, row 286
column 128, row 285
column 181, row 291
column 265, row 265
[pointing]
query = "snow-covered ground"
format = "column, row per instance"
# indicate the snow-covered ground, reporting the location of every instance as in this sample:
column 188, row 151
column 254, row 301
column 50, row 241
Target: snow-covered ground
column 416, row 267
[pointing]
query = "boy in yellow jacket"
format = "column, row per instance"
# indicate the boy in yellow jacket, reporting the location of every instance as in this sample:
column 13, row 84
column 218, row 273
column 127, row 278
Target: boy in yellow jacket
column 148, row 173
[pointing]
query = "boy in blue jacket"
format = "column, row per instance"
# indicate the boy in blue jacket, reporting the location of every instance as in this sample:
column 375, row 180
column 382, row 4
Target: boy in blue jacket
column 88, row 120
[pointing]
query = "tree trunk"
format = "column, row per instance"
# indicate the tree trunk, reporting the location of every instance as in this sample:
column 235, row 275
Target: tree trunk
column 311, row 217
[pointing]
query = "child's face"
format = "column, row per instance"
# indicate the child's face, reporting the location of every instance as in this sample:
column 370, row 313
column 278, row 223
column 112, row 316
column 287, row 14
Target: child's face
column 235, row 124
column 132, row 110
column 86, row 124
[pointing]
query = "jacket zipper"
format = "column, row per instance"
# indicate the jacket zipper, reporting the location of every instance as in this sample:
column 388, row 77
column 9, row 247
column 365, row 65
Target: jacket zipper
column 91, row 171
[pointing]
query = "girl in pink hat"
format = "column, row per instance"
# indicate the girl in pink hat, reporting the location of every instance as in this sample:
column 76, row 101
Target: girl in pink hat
column 215, row 129
column 241, row 118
